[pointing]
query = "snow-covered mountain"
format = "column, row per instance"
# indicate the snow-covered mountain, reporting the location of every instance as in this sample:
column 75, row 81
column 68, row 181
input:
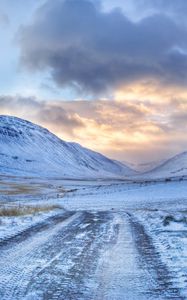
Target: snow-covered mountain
column 173, row 167
column 144, row 167
column 28, row 149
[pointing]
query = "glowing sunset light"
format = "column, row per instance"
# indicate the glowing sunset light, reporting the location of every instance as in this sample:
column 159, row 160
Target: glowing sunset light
column 113, row 80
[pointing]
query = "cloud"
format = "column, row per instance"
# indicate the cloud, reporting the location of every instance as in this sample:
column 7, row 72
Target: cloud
column 175, row 6
column 4, row 20
column 51, row 115
column 126, row 130
column 95, row 51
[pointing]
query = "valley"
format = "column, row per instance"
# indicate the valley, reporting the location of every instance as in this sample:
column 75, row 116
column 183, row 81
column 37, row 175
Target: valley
column 76, row 225
column 93, row 150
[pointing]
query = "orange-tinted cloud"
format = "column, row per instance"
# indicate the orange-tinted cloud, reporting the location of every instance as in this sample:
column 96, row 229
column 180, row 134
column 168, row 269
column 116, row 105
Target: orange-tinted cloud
column 128, row 130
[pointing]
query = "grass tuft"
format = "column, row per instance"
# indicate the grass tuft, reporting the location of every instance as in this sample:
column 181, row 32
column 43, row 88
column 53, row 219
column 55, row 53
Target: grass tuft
column 25, row 210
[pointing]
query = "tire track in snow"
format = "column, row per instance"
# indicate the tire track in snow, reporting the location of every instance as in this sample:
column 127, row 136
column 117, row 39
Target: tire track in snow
column 20, row 262
column 89, row 256
column 71, row 275
column 131, row 269
column 119, row 274
column 33, row 229
column 150, row 257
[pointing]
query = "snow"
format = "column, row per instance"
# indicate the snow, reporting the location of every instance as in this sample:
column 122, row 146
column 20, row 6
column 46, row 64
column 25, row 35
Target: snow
column 175, row 167
column 12, row 226
column 150, row 204
column 110, row 242
column 144, row 167
column 115, row 238
column 126, row 196
column 171, row 242
column 120, row 278
column 28, row 149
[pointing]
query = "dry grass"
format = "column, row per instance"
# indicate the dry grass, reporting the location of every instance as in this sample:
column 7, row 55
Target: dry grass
column 25, row 210
column 25, row 188
column 17, row 189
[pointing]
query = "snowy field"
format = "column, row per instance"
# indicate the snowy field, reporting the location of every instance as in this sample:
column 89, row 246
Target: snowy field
column 95, row 240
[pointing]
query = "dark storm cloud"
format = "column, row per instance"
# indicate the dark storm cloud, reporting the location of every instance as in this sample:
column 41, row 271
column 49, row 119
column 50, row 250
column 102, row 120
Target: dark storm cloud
column 82, row 46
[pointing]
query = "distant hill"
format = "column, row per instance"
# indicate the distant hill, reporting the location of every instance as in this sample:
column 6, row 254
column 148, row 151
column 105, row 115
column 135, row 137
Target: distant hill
column 173, row 167
column 144, row 167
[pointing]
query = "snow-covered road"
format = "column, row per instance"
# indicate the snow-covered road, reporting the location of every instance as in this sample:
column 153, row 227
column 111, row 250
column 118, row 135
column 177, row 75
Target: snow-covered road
column 84, row 255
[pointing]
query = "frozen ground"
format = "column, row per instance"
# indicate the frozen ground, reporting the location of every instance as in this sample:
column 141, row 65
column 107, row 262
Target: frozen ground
column 111, row 240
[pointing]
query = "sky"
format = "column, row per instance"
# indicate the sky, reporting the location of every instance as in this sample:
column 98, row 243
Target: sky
column 108, row 74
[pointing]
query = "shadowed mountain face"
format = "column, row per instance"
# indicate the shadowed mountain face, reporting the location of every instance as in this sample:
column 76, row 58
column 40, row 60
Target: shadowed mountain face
column 28, row 149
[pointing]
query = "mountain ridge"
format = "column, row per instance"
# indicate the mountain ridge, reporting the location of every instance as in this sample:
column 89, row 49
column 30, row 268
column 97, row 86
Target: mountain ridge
column 174, row 167
column 32, row 149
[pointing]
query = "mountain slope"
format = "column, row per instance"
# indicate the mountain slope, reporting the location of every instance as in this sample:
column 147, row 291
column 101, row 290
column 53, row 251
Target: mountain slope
column 173, row 167
column 144, row 167
column 26, row 148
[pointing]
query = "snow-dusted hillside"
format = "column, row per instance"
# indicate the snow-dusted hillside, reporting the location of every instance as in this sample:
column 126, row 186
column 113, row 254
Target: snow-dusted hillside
column 144, row 167
column 26, row 148
column 173, row 167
